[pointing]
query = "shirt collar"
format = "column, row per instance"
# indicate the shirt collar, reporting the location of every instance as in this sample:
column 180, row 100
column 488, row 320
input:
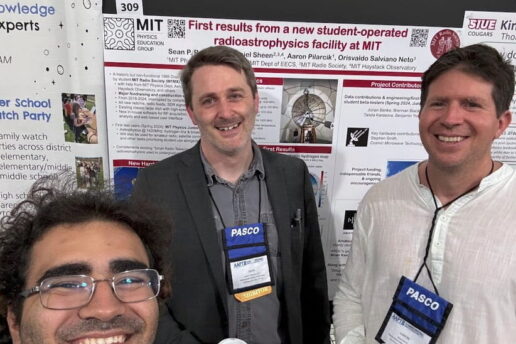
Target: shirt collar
column 255, row 168
column 501, row 175
column 504, row 172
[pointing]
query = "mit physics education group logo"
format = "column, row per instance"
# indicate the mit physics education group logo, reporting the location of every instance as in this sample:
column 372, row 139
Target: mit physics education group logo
column 119, row 34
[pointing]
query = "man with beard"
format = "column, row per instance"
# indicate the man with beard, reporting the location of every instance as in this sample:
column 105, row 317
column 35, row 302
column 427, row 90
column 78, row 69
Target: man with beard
column 81, row 267
column 248, row 260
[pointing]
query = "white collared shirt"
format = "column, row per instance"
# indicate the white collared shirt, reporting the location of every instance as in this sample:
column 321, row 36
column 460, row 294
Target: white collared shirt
column 472, row 258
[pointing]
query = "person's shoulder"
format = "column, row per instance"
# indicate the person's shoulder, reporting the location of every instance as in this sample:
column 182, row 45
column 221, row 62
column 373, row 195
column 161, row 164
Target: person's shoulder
column 508, row 170
column 506, row 175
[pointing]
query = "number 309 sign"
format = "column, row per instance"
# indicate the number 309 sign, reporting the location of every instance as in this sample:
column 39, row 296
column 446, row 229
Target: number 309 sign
column 129, row 7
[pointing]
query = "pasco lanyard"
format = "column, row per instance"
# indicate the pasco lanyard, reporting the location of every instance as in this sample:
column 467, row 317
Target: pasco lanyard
column 417, row 315
column 246, row 252
column 437, row 209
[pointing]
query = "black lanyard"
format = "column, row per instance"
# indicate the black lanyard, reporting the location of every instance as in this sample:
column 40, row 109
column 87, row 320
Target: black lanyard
column 437, row 209
column 259, row 203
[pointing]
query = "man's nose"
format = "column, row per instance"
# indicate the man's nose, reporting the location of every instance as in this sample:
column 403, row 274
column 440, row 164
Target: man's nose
column 224, row 108
column 104, row 305
column 452, row 115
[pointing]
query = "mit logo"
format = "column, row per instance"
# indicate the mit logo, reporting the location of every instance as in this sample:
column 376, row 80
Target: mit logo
column 148, row 24
column 482, row 24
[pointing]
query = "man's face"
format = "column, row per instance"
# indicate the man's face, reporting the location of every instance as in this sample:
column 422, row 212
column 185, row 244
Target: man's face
column 98, row 249
column 458, row 122
column 224, row 108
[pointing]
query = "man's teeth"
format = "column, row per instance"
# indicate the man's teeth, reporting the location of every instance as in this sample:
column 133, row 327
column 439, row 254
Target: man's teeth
column 108, row 340
column 229, row 128
column 450, row 138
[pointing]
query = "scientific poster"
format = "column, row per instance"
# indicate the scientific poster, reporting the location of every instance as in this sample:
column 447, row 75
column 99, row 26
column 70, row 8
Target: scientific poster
column 342, row 97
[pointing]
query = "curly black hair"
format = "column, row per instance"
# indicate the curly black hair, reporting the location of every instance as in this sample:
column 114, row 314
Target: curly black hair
column 54, row 200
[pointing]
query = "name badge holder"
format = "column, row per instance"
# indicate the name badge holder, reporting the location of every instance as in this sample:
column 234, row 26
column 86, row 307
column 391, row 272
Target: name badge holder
column 247, row 260
column 416, row 316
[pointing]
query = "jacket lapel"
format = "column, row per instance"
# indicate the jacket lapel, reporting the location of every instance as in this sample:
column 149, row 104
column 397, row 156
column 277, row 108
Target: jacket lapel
column 278, row 196
column 278, row 192
column 193, row 183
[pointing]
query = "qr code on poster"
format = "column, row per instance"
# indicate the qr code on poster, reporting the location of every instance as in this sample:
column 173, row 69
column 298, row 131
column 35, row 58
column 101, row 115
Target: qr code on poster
column 176, row 28
column 419, row 37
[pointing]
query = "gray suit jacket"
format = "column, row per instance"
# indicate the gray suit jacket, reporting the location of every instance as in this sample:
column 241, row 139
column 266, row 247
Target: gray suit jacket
column 197, row 307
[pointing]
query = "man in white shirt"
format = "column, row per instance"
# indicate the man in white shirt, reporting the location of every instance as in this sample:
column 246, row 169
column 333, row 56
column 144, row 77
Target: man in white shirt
column 449, row 222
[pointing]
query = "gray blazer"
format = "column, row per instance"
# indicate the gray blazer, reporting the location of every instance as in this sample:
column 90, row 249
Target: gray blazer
column 197, row 308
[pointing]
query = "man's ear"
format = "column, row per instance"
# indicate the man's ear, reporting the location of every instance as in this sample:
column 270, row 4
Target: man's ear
column 191, row 114
column 503, row 122
column 256, row 102
column 14, row 326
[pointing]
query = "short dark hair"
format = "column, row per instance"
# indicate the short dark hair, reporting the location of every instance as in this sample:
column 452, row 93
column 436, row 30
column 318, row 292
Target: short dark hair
column 480, row 60
column 217, row 55
column 54, row 200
